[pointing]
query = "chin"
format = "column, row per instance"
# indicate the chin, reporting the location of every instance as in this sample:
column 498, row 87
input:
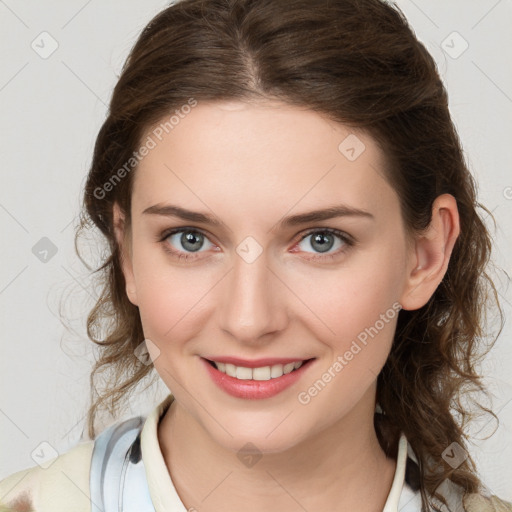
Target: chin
column 268, row 435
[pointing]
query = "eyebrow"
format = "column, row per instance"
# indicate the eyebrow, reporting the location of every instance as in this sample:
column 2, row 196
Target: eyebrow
column 169, row 210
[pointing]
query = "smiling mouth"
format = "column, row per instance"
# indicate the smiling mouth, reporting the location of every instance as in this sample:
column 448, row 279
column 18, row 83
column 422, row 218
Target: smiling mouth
column 260, row 373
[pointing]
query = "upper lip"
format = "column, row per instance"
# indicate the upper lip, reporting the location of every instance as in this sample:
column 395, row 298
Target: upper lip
column 255, row 363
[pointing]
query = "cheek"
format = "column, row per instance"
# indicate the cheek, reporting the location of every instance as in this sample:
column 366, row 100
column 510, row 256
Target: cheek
column 358, row 312
column 357, row 301
column 373, row 287
column 171, row 299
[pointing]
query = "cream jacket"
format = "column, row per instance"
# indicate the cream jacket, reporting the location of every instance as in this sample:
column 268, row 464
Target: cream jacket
column 64, row 484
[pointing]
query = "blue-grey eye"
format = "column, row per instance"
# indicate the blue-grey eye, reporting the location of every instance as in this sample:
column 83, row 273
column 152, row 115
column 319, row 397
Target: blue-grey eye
column 190, row 240
column 323, row 241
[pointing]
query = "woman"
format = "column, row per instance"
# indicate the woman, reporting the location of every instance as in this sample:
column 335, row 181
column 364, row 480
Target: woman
column 294, row 243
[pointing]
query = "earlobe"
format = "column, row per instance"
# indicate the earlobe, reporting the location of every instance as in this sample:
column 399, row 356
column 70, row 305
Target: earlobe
column 431, row 253
column 122, row 239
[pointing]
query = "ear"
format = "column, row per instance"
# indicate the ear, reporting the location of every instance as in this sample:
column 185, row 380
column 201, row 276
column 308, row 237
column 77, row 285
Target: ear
column 430, row 253
column 124, row 241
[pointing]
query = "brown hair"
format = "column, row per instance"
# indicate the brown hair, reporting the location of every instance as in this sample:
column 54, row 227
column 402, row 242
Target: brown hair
column 359, row 63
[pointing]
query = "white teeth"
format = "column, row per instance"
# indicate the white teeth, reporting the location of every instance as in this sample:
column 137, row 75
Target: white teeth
column 276, row 371
column 288, row 367
column 243, row 373
column 230, row 369
column 261, row 373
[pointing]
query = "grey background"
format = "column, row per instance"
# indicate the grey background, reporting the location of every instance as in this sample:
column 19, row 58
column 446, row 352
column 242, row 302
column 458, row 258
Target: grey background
column 52, row 107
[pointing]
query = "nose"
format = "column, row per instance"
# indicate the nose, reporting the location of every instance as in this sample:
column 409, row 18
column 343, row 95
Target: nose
column 252, row 303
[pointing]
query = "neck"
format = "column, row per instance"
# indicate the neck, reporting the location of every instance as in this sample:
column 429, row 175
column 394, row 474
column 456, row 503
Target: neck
column 332, row 469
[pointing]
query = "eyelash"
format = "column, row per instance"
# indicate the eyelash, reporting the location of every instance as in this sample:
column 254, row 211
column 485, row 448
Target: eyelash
column 345, row 238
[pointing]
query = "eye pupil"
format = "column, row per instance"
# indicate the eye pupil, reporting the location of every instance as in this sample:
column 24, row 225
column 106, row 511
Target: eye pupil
column 320, row 238
column 190, row 237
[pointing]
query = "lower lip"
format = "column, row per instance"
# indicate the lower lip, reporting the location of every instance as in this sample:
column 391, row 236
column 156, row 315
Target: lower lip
column 254, row 389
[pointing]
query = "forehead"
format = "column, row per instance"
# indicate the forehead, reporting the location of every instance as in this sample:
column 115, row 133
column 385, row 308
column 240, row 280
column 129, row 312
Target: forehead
column 251, row 156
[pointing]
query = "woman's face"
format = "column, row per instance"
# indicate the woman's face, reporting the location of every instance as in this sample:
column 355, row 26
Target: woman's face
column 262, row 280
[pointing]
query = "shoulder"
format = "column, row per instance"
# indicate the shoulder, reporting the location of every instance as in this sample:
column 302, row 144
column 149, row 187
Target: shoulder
column 410, row 501
column 458, row 500
column 453, row 494
column 479, row 503
column 60, row 484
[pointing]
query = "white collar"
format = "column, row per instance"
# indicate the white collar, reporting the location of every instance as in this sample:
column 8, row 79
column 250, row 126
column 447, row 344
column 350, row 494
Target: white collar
column 165, row 497
column 401, row 497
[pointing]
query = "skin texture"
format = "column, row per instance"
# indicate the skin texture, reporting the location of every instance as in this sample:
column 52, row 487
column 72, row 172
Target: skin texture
column 250, row 165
